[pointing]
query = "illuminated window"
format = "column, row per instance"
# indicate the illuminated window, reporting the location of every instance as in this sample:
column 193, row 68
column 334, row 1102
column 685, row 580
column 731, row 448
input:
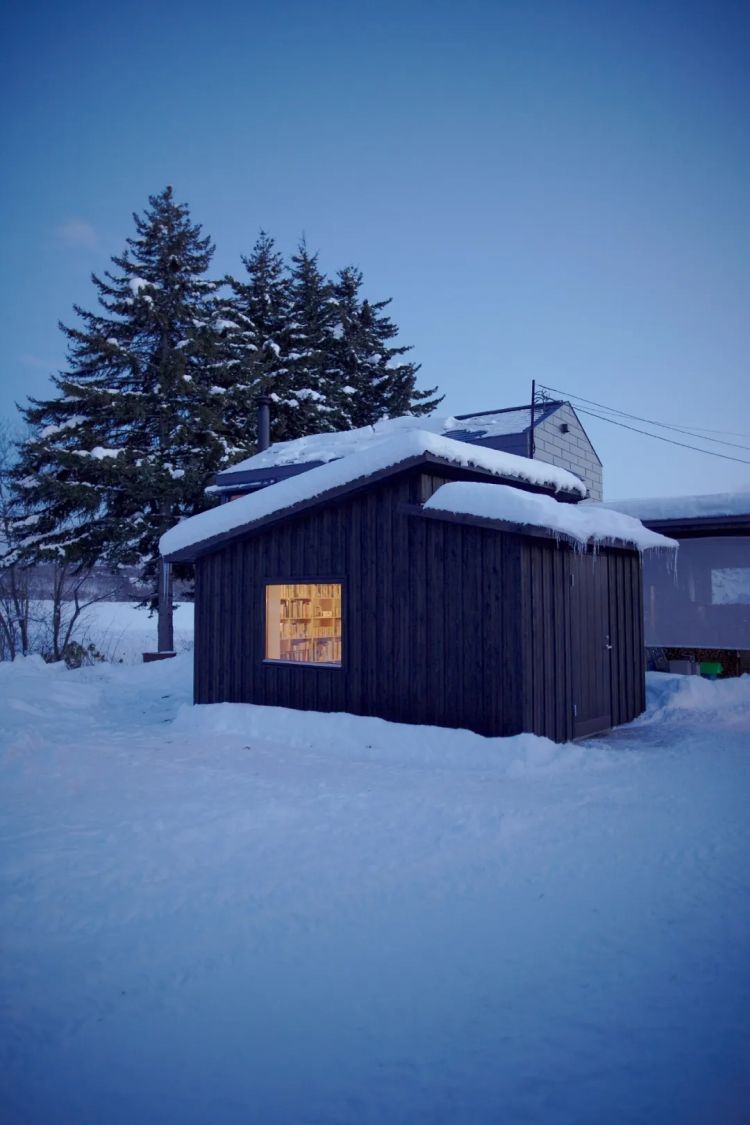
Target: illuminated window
column 303, row 622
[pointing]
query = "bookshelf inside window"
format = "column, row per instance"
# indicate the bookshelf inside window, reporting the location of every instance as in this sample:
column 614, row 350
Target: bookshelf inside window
column 303, row 623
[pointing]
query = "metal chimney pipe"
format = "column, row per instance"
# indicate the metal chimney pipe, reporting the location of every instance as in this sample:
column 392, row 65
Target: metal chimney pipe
column 263, row 402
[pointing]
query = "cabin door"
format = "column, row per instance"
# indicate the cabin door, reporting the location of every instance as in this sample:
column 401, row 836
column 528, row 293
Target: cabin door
column 591, row 644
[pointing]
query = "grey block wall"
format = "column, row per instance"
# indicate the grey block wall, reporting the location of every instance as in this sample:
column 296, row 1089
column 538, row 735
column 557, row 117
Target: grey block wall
column 571, row 450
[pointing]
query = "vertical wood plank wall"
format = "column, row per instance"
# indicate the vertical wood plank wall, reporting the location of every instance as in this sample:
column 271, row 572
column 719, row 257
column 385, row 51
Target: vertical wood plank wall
column 443, row 623
column 547, row 672
column 626, row 630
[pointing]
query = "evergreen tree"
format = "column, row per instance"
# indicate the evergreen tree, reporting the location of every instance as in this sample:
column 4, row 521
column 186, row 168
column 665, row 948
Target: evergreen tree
column 374, row 382
column 132, row 438
column 311, row 402
column 253, row 321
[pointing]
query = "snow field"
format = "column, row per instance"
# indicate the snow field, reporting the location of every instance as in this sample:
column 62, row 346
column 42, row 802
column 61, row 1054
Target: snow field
column 234, row 914
column 120, row 631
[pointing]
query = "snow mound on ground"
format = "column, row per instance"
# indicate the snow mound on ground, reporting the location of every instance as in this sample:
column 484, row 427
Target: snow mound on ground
column 724, row 702
column 42, row 701
column 368, row 739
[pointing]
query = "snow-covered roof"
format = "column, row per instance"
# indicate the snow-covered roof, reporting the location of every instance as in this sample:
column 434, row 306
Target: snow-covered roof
column 329, row 447
column 583, row 523
column 198, row 533
column 710, row 505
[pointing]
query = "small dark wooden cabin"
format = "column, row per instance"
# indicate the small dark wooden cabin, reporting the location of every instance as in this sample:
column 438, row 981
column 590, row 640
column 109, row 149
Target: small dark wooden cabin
column 361, row 600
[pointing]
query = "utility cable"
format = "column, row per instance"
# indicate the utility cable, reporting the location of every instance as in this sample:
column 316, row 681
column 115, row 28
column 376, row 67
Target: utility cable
column 651, row 422
column 660, row 437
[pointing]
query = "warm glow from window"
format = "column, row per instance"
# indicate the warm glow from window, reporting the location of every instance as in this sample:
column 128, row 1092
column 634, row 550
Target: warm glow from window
column 303, row 622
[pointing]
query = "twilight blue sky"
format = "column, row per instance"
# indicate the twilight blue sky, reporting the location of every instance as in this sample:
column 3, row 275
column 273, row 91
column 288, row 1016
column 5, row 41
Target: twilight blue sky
column 549, row 190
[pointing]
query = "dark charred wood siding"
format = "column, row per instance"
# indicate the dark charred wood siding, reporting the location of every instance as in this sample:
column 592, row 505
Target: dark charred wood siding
column 628, row 668
column 443, row 623
column 575, row 606
column 430, row 623
column 544, row 582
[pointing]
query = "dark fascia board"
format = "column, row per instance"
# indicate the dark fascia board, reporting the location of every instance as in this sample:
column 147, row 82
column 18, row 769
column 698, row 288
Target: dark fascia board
column 516, row 529
column 697, row 527
column 421, row 461
column 263, row 477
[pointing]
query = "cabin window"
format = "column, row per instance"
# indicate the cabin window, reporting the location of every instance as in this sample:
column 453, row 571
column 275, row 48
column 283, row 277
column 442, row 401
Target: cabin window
column 303, row 623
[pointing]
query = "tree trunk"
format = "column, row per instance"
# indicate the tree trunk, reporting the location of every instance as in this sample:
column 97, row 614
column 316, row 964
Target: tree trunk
column 166, row 625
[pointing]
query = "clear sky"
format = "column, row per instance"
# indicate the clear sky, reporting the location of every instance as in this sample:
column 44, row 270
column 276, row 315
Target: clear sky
column 550, row 190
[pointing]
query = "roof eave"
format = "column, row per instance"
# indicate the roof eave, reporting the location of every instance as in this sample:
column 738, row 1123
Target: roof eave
column 524, row 529
column 694, row 527
column 207, row 546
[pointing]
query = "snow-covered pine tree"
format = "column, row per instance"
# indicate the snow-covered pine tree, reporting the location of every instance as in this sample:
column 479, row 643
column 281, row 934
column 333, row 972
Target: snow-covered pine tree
column 310, row 403
column 253, row 321
column 373, row 381
column 128, row 445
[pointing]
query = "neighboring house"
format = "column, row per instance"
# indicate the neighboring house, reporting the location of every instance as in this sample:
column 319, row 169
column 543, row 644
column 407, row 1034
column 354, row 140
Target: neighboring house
column 701, row 606
column 421, row 579
column 556, row 437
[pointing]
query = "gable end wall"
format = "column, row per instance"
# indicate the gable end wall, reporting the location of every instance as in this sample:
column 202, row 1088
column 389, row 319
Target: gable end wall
column 572, row 451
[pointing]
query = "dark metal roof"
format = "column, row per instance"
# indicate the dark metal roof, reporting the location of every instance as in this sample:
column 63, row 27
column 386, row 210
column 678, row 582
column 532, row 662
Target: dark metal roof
column 227, row 480
column 249, row 480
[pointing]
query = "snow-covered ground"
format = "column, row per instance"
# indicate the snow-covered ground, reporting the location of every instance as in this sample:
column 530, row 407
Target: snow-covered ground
column 236, row 915
column 122, row 631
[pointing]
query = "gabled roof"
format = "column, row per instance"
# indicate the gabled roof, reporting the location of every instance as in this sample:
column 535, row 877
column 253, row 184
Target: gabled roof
column 210, row 530
column 286, row 458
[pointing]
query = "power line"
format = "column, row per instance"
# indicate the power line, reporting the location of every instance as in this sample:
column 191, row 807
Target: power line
column 660, row 437
column 652, row 422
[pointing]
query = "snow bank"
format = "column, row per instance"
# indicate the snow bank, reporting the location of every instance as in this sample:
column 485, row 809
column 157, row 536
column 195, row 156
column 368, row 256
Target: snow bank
column 248, row 916
column 719, row 702
column 363, row 738
column 686, row 507
column 585, row 523
column 119, row 631
column 389, row 453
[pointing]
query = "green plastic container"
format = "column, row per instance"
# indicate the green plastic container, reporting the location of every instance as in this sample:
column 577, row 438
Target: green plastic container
column 711, row 669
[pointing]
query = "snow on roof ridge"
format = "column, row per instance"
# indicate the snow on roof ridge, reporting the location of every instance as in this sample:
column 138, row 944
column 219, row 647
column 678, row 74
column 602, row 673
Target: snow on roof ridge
column 584, row 523
column 340, row 443
column 246, row 510
column 736, row 503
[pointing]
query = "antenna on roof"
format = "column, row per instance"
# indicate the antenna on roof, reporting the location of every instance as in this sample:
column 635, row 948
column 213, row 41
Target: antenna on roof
column 531, row 427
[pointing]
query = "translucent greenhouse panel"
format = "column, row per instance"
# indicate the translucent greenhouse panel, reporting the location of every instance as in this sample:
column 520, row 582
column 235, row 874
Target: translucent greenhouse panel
column 705, row 601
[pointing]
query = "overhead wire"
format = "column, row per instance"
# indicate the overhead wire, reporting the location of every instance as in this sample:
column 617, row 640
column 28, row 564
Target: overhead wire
column 661, row 437
column 688, row 432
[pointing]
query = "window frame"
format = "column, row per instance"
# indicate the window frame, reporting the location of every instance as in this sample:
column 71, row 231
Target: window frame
column 318, row 580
